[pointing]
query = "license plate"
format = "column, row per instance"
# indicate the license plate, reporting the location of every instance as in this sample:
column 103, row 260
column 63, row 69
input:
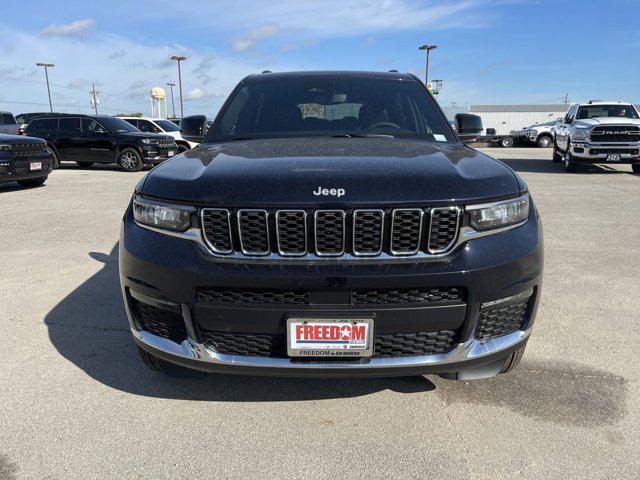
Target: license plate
column 171, row 153
column 614, row 157
column 33, row 166
column 307, row 337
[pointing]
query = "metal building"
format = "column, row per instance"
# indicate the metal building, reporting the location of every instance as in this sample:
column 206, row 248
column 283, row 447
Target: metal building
column 505, row 118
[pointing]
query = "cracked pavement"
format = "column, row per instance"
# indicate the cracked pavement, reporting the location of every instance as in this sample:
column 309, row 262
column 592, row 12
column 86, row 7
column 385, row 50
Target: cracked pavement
column 75, row 402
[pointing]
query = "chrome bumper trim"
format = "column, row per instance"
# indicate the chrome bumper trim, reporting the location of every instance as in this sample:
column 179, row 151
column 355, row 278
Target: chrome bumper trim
column 472, row 349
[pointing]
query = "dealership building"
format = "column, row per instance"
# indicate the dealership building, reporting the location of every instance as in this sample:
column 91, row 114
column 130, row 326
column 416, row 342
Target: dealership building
column 505, row 118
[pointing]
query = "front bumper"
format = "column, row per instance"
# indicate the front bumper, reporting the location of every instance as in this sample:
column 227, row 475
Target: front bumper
column 156, row 154
column 162, row 269
column 597, row 153
column 14, row 168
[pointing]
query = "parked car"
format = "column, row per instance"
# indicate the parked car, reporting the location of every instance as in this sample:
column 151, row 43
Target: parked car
column 598, row 132
column 540, row 135
column 161, row 125
column 89, row 139
column 8, row 124
column 332, row 224
column 25, row 160
column 23, row 119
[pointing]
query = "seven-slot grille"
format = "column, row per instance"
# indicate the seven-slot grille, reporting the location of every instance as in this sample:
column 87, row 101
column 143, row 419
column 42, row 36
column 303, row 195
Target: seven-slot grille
column 330, row 233
column 616, row 133
column 166, row 142
column 26, row 149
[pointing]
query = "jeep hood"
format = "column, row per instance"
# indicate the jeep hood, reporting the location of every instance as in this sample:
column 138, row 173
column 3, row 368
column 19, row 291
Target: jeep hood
column 285, row 172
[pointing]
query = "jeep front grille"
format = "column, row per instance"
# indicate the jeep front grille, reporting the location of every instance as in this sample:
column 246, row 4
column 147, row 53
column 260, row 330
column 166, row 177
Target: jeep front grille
column 331, row 233
column 27, row 149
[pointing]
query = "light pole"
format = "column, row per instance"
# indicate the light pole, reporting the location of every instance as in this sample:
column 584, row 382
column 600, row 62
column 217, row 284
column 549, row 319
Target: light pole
column 173, row 105
column 179, row 59
column 428, row 48
column 46, row 75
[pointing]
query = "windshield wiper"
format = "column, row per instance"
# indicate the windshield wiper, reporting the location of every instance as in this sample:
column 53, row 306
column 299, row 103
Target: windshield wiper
column 361, row 135
column 242, row 138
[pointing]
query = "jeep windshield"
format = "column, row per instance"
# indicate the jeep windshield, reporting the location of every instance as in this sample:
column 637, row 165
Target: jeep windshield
column 341, row 106
column 598, row 111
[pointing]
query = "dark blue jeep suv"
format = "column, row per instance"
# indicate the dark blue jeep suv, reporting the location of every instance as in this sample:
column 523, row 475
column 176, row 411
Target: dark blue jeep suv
column 332, row 224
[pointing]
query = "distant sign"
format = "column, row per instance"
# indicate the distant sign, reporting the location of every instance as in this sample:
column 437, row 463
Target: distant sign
column 434, row 87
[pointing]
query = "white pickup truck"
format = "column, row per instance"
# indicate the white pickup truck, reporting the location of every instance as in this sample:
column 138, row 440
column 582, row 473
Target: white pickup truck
column 598, row 132
column 541, row 135
column 8, row 124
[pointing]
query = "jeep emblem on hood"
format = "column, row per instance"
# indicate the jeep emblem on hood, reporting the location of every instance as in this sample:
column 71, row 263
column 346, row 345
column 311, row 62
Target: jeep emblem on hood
column 334, row 192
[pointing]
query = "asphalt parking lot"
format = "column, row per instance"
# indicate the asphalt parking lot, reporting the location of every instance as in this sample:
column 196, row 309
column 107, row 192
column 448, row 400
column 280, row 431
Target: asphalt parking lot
column 75, row 401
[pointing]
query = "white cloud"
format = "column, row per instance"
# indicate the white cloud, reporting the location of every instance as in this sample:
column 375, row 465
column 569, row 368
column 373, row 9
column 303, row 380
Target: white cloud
column 252, row 36
column 78, row 28
column 332, row 18
column 124, row 88
column 195, row 94
column 242, row 45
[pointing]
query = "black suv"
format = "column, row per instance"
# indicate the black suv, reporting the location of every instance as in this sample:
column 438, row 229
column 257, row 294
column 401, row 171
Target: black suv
column 332, row 224
column 89, row 139
column 25, row 160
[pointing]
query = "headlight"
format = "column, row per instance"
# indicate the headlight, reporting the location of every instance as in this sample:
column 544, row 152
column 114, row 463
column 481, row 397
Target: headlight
column 149, row 140
column 581, row 134
column 499, row 214
column 162, row 215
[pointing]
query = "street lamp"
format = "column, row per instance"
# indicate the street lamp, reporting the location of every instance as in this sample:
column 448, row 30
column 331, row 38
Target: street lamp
column 179, row 58
column 173, row 105
column 428, row 48
column 46, row 75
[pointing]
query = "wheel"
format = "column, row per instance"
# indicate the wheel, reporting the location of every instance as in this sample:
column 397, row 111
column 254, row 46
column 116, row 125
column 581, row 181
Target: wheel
column 55, row 162
column 33, row 182
column 635, row 167
column 157, row 365
column 84, row 164
column 130, row 160
column 182, row 148
column 569, row 164
column 513, row 360
column 152, row 362
column 557, row 157
column 543, row 142
column 506, row 142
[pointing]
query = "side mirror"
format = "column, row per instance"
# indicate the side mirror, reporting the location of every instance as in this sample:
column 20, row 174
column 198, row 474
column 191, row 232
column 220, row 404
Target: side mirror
column 194, row 128
column 468, row 126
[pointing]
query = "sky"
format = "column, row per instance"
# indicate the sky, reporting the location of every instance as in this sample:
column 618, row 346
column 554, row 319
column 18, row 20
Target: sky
column 489, row 51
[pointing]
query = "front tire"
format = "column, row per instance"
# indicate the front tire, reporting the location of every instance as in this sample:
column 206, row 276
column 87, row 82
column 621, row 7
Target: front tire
column 543, row 142
column 506, row 142
column 158, row 365
column 33, row 182
column 55, row 161
column 635, row 167
column 557, row 158
column 182, row 149
column 130, row 160
column 568, row 162
column 513, row 360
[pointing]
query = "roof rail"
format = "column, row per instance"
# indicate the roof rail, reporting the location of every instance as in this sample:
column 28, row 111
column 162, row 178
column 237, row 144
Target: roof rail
column 393, row 71
column 267, row 71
